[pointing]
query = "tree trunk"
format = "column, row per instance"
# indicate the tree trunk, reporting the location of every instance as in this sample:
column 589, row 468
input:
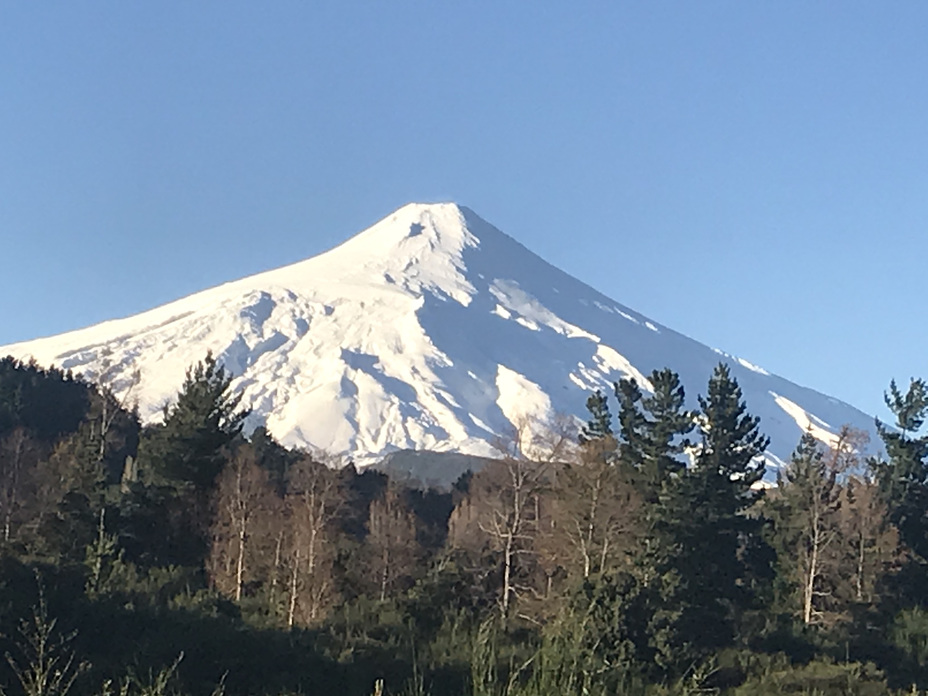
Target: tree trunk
column 861, row 549
column 812, row 573
column 294, row 578
column 240, row 563
column 276, row 573
column 385, row 563
column 507, row 575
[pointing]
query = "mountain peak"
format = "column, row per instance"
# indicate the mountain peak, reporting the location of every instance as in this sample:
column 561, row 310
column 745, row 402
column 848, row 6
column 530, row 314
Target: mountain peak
column 418, row 247
column 436, row 226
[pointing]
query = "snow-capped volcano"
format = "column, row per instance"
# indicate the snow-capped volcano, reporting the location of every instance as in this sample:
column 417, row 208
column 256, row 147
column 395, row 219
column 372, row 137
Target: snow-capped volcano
column 431, row 330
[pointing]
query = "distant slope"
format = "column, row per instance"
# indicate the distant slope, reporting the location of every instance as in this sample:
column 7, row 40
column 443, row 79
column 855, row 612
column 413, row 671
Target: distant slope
column 430, row 330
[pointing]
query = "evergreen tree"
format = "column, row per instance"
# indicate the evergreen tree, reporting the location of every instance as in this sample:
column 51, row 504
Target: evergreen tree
column 70, row 496
column 653, row 432
column 187, row 450
column 903, row 477
column 668, row 424
column 597, row 439
column 599, row 426
column 180, row 460
column 273, row 457
column 731, row 440
column 48, row 403
column 708, row 556
column 632, row 424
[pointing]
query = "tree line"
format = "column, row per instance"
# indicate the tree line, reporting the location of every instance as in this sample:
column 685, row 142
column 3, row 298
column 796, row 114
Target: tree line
column 642, row 553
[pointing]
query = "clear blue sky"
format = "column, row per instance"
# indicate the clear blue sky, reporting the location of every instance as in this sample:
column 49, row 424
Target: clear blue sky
column 754, row 175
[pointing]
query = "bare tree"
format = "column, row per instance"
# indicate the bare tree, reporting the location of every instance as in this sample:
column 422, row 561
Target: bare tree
column 872, row 540
column 18, row 456
column 810, row 499
column 391, row 541
column 314, row 498
column 116, row 395
column 596, row 514
column 47, row 665
column 504, row 505
column 243, row 495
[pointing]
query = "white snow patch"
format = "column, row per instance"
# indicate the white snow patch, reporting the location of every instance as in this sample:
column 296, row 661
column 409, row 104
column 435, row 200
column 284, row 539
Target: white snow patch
column 479, row 423
column 579, row 382
column 520, row 399
column 752, row 366
column 501, row 311
column 626, row 315
column 531, row 313
column 806, row 421
column 609, row 360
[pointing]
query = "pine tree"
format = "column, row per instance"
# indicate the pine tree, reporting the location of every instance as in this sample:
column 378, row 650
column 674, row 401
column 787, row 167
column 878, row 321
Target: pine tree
column 653, row 429
column 904, row 477
column 186, row 451
column 653, row 432
column 599, row 426
column 731, row 439
column 181, row 459
column 669, row 423
column 632, row 424
column 708, row 554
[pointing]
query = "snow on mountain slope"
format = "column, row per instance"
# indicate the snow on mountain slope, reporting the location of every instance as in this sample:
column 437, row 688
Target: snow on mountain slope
column 431, row 330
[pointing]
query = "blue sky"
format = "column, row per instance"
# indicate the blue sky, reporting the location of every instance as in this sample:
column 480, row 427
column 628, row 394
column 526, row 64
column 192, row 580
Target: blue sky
column 753, row 175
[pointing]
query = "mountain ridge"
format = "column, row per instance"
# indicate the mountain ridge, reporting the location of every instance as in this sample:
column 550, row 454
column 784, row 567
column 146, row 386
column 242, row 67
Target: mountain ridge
column 431, row 329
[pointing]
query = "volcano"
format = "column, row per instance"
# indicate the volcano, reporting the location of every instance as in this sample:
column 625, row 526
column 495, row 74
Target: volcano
column 431, row 330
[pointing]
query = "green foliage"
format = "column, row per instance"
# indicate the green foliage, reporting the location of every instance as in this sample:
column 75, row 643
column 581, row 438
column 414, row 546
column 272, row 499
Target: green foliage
column 48, row 403
column 904, row 477
column 669, row 425
column 908, row 635
column 632, row 424
column 187, row 450
column 606, row 629
column 599, row 425
column 707, row 557
column 676, row 599
column 181, row 458
column 653, row 430
column 731, row 439
column 817, row 678
column 273, row 457
column 46, row 664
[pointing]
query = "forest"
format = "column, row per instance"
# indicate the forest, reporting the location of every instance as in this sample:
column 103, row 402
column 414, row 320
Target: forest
column 640, row 554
